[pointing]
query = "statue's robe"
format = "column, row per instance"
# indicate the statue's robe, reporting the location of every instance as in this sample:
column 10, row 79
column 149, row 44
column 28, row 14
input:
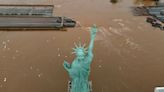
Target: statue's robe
column 79, row 73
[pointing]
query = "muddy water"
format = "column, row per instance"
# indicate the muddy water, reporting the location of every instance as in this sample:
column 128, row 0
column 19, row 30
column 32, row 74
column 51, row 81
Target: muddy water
column 128, row 51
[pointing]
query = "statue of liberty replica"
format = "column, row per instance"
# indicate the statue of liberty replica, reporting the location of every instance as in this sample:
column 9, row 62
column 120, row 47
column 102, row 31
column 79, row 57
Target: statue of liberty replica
column 79, row 70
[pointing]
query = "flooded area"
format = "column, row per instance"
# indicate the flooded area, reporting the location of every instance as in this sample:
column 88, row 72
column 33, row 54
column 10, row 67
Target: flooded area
column 128, row 52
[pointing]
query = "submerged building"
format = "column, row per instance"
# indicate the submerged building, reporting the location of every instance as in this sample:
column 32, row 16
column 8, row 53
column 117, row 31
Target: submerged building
column 157, row 12
column 33, row 17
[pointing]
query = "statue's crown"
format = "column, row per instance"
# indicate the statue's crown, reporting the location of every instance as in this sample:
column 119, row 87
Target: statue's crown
column 79, row 47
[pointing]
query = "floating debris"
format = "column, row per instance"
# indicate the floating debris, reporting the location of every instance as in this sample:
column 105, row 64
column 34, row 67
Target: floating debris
column 31, row 67
column 126, row 28
column 37, row 69
column 53, row 38
column 8, row 40
column 39, row 75
column 78, row 24
column 58, row 55
column 17, row 51
column 5, row 79
column 3, row 42
column 47, row 41
column 13, row 57
column 117, row 20
column 57, row 6
column 100, row 66
column 4, row 45
column 8, row 48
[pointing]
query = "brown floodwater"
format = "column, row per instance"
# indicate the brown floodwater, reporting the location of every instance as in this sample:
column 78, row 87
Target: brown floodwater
column 128, row 52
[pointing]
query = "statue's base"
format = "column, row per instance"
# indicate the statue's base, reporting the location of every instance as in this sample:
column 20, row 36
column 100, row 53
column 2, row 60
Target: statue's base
column 89, row 83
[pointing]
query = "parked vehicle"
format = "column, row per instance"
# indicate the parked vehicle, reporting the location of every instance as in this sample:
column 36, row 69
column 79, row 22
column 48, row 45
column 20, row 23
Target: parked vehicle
column 155, row 24
column 150, row 20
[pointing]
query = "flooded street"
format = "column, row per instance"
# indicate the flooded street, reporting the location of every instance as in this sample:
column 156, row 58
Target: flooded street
column 128, row 52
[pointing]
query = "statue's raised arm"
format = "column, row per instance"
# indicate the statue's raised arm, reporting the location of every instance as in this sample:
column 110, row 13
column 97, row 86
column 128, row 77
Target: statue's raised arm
column 93, row 32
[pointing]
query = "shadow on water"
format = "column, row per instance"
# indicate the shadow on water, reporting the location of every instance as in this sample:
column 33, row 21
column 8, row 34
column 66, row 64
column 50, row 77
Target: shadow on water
column 114, row 1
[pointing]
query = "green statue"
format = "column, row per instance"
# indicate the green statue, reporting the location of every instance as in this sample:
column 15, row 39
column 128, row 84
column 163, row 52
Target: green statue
column 79, row 70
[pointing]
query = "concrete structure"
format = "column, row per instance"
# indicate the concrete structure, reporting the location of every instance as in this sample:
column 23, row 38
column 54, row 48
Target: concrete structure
column 35, row 22
column 159, row 89
column 32, row 16
column 26, row 10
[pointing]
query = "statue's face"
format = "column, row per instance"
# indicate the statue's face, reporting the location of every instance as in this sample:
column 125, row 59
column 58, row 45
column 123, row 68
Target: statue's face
column 80, row 54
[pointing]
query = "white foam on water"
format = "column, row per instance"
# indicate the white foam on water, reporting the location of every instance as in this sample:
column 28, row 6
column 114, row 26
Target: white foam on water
column 57, row 6
column 4, row 44
column 16, row 51
column 8, row 40
column 126, row 29
column 117, row 20
column 121, row 24
column 58, row 49
column 102, row 34
column 115, row 31
column 47, row 41
column 31, row 67
column 37, row 69
column 132, row 44
column 13, row 57
column 53, row 38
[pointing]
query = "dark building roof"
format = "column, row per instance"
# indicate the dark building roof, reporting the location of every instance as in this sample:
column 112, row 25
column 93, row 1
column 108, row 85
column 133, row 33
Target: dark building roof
column 157, row 11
